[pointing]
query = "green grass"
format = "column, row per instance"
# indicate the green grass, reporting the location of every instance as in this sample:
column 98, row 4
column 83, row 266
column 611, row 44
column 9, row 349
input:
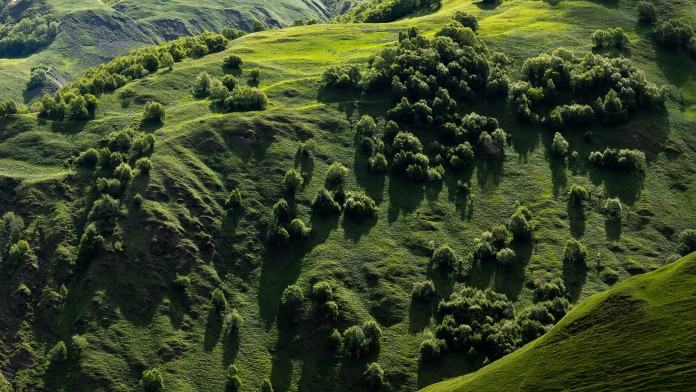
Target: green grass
column 201, row 155
column 635, row 336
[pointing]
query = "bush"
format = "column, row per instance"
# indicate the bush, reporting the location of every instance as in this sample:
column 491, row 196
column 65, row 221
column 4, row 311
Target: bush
column 483, row 247
column 255, row 74
column 342, row 77
column 574, row 252
column 621, row 159
column 506, row 257
column 354, row 341
column 234, row 200
column 577, row 195
column 233, row 61
column 613, row 109
column 218, row 300
column 378, row 163
column 232, row 33
column 58, row 354
column 673, row 33
column 335, row 340
column 234, row 382
column 246, row 98
column 281, row 210
column 233, row 322
column 613, row 208
column 336, row 175
column 152, row 381
column 366, row 126
column 202, row 86
column 298, row 230
column 444, row 257
column 461, row 156
column 324, row 203
column 687, row 242
column 406, row 141
column 291, row 301
column 293, row 180
column 144, row 165
column 181, row 281
column 612, row 37
column 373, row 377
column 88, row 158
column 154, row 112
column 647, row 13
column 423, row 290
column 559, row 145
column 466, row 19
column 431, row 349
column 520, row 226
column 322, row 292
column 330, row 310
column 359, row 206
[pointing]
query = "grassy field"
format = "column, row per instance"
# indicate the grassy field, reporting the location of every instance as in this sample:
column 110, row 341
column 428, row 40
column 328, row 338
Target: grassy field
column 140, row 320
column 635, row 336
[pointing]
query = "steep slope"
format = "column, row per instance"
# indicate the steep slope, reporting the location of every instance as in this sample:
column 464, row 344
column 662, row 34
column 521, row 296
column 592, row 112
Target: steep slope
column 125, row 309
column 636, row 336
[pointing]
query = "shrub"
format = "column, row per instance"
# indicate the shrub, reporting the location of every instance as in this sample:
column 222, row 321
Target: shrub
column 298, row 230
column 461, row 156
column 58, row 354
column 431, row 349
column 673, row 33
column 613, row 208
column 232, row 33
column 123, row 173
column 281, row 210
column 154, row 112
column 612, row 37
column 359, row 206
column 230, row 82
column 181, row 281
column 234, row 200
column 613, row 109
column 233, row 322
column 373, row 333
column 444, row 257
column 559, row 145
column 336, row 175
column 378, row 163
column 202, row 86
column 520, row 226
column 335, row 340
column 246, row 98
column 342, row 77
column 373, row 377
column 322, row 292
column 574, row 252
column 547, row 291
column 466, row 19
column 144, row 165
column 354, row 341
column 111, row 186
column 166, row 60
column 647, row 13
column 291, row 300
column 464, row 36
column 279, row 236
column 218, row 300
column 233, row 61
column 366, row 126
column 88, row 158
column 330, row 310
column 324, row 203
column 255, row 74
column 577, row 195
column 483, row 247
column 499, row 236
column 234, row 382
column 622, row 159
column 687, row 242
column 423, row 290
column 406, row 141
column 506, row 257
column 152, row 381
column 292, row 181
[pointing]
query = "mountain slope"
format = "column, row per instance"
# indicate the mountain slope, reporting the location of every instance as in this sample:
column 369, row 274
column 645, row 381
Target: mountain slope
column 638, row 335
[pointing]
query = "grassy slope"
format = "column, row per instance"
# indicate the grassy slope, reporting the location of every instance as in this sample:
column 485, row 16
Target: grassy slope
column 209, row 153
column 636, row 336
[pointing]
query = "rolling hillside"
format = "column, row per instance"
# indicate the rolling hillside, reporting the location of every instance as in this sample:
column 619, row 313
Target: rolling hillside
column 181, row 268
column 636, row 336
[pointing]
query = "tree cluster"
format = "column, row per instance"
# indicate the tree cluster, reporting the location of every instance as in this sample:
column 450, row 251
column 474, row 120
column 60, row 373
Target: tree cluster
column 380, row 11
column 26, row 36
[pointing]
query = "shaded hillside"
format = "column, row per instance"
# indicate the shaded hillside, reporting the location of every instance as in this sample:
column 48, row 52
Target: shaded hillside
column 635, row 336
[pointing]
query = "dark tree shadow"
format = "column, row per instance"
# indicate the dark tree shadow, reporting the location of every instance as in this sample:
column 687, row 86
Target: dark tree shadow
column 576, row 219
column 305, row 163
column 213, row 328
column 612, row 227
column 488, row 5
column 354, row 229
column 574, row 276
column 559, row 178
column 419, row 314
column 509, row 280
column 404, row 196
column 489, row 173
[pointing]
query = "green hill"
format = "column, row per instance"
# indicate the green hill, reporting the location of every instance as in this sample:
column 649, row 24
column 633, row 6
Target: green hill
column 635, row 336
column 126, row 282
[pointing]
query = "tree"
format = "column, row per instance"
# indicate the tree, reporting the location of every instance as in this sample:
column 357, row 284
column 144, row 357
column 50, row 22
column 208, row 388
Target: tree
column 378, row 163
column 574, row 252
column 218, row 299
column 246, row 98
column 687, row 242
column 325, row 204
column 266, row 386
column 255, row 74
column 559, row 146
column 336, row 175
column 613, row 208
column 144, row 165
column 506, row 257
column 431, row 349
column 613, row 109
column 359, row 206
column 423, row 290
column 373, row 377
column 258, row 26
column 58, row 354
column 577, row 195
column 298, row 230
column 234, row 200
column 647, row 13
column 166, row 60
column 291, row 301
column 520, row 226
column 292, row 181
column 154, row 112
column 233, row 61
column 202, row 86
column 354, row 341
column 152, row 381
column 233, row 380
column 230, row 82
column 466, row 19
column 322, row 292
column 444, row 257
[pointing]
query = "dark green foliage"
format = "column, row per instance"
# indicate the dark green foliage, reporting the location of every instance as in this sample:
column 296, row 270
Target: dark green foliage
column 143, row 165
column 379, row 11
column 335, row 341
column 244, row 98
column 232, row 33
column 234, row 382
column 359, row 206
column 202, row 86
column 37, row 78
column 325, row 204
column 687, row 242
column 547, row 291
column 154, row 112
column 292, row 181
column 574, row 252
column 218, row 300
column 88, row 158
column 575, row 114
column 673, row 33
column 613, row 109
column 431, row 349
column 499, row 236
column 336, row 175
column 466, row 19
column 322, row 292
column 506, row 257
column 233, row 322
column 291, row 301
column 520, row 224
column 423, row 290
column 613, row 208
column 58, row 354
column 298, row 230
column 230, row 82
column 106, row 208
column 152, row 381
column 647, row 13
column 8, row 108
column 255, row 74
column 181, row 281
column 373, row 377
column 444, row 257
column 619, row 159
column 90, row 242
column 458, row 33
column 378, row 163
column 610, row 38
column 330, row 310
column 360, row 341
column 484, row 248
column 281, row 211
column 111, row 186
column 559, row 146
column 461, row 156
column 577, row 195
column 234, row 201
column 26, row 36
column 266, row 386
column 166, row 60
column 342, row 77
column 258, row 26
